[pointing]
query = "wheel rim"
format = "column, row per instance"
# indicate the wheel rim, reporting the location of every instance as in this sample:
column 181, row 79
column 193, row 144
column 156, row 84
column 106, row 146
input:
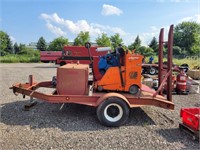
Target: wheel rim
column 133, row 89
column 113, row 112
column 100, row 88
column 152, row 71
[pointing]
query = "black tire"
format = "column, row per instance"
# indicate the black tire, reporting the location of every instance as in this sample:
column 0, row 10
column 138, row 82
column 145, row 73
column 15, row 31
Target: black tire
column 152, row 70
column 185, row 65
column 134, row 89
column 62, row 63
column 45, row 61
column 113, row 112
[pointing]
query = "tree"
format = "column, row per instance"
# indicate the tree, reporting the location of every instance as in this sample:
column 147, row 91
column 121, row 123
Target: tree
column 116, row 40
column 16, row 48
column 58, row 44
column 41, row 44
column 187, row 37
column 81, row 39
column 5, row 44
column 154, row 45
column 23, row 50
column 146, row 51
column 136, row 44
column 177, row 50
column 103, row 40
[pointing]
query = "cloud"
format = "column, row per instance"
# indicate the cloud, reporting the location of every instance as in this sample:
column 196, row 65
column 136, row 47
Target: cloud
column 146, row 37
column 195, row 18
column 110, row 29
column 56, row 30
column 108, row 10
column 60, row 26
column 12, row 39
column 154, row 31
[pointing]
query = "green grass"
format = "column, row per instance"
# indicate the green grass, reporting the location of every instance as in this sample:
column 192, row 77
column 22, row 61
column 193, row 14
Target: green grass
column 191, row 61
column 20, row 59
column 34, row 58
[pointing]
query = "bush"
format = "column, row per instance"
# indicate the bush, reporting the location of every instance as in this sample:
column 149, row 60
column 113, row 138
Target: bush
column 146, row 51
column 20, row 58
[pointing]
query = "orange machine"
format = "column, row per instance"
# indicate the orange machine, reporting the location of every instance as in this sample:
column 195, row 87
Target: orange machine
column 123, row 78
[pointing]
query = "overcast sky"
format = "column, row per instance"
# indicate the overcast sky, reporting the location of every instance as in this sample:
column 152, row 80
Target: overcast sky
column 27, row 20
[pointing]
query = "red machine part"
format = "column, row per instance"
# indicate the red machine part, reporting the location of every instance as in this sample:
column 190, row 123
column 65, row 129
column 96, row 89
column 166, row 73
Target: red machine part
column 47, row 56
column 72, row 54
column 191, row 117
column 72, row 79
column 181, row 82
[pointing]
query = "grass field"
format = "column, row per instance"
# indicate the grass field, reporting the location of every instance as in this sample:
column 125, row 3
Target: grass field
column 19, row 59
column 191, row 61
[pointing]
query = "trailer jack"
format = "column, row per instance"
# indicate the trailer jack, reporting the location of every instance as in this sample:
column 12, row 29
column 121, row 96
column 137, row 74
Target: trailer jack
column 30, row 104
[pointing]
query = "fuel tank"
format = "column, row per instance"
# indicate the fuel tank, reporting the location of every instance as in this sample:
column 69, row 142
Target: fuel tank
column 72, row 79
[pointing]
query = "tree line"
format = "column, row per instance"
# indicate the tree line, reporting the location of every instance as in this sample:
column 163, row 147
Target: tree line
column 186, row 42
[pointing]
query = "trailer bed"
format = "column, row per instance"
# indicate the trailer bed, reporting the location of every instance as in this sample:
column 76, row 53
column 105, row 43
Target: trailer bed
column 141, row 99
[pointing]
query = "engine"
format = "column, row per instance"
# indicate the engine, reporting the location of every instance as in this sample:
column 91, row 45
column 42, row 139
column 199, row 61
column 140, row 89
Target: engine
column 107, row 61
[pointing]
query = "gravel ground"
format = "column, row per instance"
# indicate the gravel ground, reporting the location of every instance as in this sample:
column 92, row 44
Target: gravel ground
column 76, row 127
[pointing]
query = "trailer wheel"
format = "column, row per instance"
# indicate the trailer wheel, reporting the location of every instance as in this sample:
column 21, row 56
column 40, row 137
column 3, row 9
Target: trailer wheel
column 152, row 71
column 113, row 112
column 62, row 63
column 133, row 89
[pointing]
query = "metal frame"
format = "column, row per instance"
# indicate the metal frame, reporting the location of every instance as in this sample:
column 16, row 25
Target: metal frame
column 142, row 99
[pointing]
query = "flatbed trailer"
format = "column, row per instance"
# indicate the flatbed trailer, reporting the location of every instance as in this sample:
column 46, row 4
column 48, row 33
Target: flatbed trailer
column 144, row 97
column 113, row 108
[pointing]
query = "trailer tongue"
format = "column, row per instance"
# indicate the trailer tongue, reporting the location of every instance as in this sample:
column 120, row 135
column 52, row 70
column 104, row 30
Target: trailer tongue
column 72, row 86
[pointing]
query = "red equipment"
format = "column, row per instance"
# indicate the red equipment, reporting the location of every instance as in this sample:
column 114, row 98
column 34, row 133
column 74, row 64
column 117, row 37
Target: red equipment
column 47, row 56
column 190, row 121
column 70, row 54
column 113, row 108
column 181, row 83
column 79, row 74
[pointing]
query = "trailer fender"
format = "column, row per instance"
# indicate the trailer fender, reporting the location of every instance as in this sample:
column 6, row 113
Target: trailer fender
column 106, row 96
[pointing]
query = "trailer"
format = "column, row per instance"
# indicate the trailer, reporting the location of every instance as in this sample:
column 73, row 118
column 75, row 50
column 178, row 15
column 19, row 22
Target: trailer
column 72, row 86
column 50, row 56
column 71, row 54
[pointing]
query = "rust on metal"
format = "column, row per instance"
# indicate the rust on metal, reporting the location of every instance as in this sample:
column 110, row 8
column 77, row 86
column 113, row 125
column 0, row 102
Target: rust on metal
column 169, row 63
column 162, row 83
column 145, row 98
column 160, row 59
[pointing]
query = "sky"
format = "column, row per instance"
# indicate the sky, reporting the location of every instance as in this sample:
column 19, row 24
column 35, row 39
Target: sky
column 26, row 21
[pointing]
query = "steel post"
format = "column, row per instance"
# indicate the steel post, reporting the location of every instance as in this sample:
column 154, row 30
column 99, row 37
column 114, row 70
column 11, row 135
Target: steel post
column 169, row 63
column 160, row 59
